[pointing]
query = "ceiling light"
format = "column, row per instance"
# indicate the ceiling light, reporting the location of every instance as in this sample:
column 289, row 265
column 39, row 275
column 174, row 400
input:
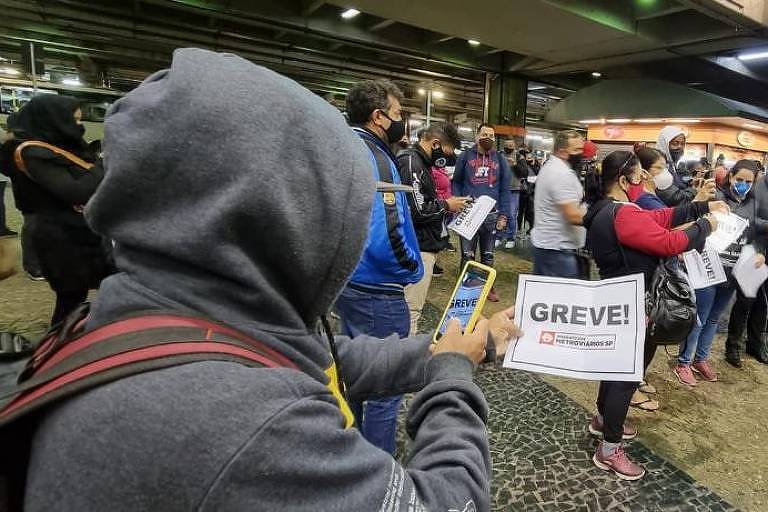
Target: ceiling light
column 465, row 129
column 422, row 92
column 438, row 94
column 591, row 121
column 10, row 71
column 536, row 87
column 72, row 81
column 648, row 120
column 415, row 122
column 684, row 120
column 753, row 126
column 620, row 121
column 753, row 56
column 534, row 137
column 473, row 42
column 596, row 74
column 430, row 73
column 349, row 14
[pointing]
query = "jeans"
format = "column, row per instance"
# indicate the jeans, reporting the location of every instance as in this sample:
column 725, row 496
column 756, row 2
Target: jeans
column 379, row 315
column 485, row 237
column 710, row 303
column 511, row 231
column 547, row 262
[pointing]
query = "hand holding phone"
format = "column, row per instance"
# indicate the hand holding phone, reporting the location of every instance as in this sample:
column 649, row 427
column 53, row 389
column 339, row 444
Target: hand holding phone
column 468, row 297
column 471, row 344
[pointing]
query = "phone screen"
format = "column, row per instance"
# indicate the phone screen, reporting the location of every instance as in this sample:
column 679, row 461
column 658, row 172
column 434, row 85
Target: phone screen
column 466, row 299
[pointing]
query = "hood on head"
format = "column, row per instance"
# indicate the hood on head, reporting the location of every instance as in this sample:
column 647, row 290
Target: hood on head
column 234, row 191
column 665, row 137
column 49, row 118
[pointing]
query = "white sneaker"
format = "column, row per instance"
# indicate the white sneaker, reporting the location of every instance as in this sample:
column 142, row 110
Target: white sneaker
column 510, row 244
column 497, row 244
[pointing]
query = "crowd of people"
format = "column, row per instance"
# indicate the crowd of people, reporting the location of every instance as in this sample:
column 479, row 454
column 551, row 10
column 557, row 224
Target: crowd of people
column 163, row 221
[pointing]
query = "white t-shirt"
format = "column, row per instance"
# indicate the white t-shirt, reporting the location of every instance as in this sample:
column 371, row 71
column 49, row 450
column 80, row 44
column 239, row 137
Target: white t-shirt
column 557, row 184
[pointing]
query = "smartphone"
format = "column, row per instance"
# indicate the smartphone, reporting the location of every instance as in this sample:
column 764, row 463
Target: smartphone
column 468, row 297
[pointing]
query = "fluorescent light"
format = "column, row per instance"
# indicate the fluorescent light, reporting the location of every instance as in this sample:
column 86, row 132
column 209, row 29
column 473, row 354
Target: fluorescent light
column 415, row 122
column 534, row 137
column 753, row 56
column 620, row 121
column 72, row 81
column 465, row 129
column 438, row 94
column 592, row 121
column 546, row 139
column 10, row 71
column 430, row 73
column 349, row 14
column 422, row 92
column 753, row 126
column 536, row 87
column 596, row 74
column 684, row 120
column 473, row 42
column 648, row 120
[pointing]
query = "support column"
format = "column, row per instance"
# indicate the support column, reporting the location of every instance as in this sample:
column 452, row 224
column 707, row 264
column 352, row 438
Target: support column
column 506, row 98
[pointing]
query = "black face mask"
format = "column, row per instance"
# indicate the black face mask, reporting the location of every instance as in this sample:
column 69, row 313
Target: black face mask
column 509, row 151
column 675, row 154
column 396, row 129
column 575, row 161
column 439, row 158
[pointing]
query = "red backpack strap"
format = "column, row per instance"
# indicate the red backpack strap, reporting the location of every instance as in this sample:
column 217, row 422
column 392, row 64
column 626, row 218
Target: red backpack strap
column 61, row 368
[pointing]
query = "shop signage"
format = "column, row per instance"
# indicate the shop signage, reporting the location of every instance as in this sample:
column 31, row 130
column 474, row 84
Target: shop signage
column 745, row 139
column 613, row 132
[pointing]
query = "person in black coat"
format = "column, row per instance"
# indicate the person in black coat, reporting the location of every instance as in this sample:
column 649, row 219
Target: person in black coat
column 50, row 187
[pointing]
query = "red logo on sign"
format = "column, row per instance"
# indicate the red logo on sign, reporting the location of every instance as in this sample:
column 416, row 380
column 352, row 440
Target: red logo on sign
column 613, row 132
column 547, row 338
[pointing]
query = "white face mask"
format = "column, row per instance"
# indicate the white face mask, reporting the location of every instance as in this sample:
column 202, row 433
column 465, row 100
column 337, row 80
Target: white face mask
column 663, row 180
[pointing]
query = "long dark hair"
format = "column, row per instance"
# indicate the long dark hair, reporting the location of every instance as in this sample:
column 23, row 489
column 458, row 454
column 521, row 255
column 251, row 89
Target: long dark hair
column 615, row 165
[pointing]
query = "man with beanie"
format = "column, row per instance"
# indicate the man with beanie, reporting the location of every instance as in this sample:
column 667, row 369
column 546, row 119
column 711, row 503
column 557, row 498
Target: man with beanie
column 373, row 302
column 216, row 435
column 435, row 148
column 482, row 171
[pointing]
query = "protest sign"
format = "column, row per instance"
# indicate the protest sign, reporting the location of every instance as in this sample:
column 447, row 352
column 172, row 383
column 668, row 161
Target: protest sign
column 469, row 220
column 749, row 278
column 704, row 268
column 592, row 330
column 729, row 229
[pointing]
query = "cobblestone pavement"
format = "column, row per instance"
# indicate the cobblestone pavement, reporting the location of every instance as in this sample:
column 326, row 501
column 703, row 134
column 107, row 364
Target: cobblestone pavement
column 542, row 452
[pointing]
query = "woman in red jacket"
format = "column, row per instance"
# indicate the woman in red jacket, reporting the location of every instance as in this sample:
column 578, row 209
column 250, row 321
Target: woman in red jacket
column 645, row 237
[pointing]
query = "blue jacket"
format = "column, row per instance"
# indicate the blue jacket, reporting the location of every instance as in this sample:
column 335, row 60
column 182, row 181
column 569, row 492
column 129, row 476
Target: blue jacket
column 391, row 255
column 470, row 179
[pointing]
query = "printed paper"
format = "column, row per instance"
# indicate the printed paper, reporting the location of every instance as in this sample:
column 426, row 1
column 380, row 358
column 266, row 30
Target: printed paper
column 729, row 229
column 469, row 220
column 593, row 330
column 704, row 268
column 749, row 278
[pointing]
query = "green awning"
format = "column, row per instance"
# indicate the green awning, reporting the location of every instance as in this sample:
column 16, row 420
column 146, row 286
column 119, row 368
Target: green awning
column 646, row 98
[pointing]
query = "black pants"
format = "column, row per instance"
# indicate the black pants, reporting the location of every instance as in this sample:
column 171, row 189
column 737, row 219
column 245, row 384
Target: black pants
column 748, row 315
column 66, row 302
column 613, row 400
column 485, row 237
column 525, row 210
column 3, row 225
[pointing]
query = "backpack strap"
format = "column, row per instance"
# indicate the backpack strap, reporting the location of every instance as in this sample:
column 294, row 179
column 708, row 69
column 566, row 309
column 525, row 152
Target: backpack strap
column 19, row 159
column 138, row 344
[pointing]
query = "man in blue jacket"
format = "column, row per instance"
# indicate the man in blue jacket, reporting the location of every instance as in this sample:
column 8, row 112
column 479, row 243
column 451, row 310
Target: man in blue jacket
column 482, row 171
column 373, row 302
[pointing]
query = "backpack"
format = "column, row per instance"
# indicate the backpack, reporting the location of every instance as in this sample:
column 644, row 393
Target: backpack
column 670, row 301
column 69, row 360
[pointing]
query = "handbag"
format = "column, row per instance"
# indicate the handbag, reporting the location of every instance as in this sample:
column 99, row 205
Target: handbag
column 670, row 302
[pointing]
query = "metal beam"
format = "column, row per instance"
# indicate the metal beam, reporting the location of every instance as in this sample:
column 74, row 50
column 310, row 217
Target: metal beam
column 663, row 12
column 381, row 25
column 736, row 66
column 308, row 7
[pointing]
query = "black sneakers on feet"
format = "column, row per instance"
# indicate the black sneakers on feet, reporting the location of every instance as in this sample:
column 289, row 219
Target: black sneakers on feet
column 437, row 270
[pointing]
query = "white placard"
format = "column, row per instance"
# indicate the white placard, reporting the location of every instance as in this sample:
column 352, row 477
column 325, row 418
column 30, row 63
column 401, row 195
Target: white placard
column 729, row 229
column 704, row 268
column 593, row 330
column 469, row 220
column 749, row 278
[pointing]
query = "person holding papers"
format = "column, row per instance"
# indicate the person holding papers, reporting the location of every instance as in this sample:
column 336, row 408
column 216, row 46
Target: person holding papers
column 748, row 314
column 624, row 240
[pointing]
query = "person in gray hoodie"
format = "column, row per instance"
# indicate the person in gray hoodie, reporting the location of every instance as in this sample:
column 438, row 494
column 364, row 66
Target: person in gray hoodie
column 208, row 219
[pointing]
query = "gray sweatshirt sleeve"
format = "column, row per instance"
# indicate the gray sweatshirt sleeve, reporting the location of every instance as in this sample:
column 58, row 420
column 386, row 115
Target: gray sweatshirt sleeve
column 374, row 367
column 304, row 460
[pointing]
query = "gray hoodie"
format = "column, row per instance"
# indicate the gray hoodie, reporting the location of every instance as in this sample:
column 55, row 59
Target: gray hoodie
column 234, row 193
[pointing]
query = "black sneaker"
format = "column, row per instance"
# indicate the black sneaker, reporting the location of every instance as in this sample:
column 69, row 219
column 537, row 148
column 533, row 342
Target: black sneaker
column 437, row 270
column 8, row 232
column 733, row 360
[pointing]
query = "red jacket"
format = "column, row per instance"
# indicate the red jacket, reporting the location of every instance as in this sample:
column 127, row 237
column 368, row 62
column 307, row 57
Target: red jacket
column 442, row 183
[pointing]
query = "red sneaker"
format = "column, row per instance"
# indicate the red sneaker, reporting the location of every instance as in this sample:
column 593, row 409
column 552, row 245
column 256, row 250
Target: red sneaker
column 704, row 369
column 685, row 375
column 492, row 297
column 596, row 429
column 619, row 463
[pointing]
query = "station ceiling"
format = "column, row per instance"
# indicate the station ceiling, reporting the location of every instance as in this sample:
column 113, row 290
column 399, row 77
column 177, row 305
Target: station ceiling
column 420, row 44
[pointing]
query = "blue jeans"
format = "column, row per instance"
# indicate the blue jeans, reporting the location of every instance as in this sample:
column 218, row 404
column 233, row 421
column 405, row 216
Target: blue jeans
column 710, row 303
column 547, row 262
column 378, row 315
column 511, row 232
